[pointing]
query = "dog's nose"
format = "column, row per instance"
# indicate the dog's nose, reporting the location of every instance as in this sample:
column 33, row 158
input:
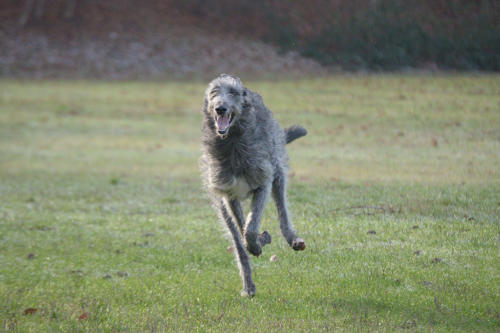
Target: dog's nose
column 220, row 110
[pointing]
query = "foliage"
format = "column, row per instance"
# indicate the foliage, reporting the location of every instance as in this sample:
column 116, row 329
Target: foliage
column 389, row 37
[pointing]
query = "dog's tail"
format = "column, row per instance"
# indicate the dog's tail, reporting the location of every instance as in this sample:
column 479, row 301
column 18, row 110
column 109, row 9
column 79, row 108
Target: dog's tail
column 294, row 132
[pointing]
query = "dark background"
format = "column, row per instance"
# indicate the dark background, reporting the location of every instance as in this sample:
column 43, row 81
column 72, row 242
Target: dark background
column 194, row 38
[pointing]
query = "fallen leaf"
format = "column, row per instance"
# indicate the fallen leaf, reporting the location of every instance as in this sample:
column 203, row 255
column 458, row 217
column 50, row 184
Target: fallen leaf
column 434, row 142
column 41, row 228
column 436, row 260
column 83, row 316
column 77, row 272
column 273, row 258
column 30, row 311
column 409, row 324
column 31, row 256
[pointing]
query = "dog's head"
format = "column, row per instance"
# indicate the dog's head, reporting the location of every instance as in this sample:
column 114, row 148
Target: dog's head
column 225, row 101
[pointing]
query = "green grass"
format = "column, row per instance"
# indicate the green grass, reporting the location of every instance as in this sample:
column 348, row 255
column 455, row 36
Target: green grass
column 102, row 212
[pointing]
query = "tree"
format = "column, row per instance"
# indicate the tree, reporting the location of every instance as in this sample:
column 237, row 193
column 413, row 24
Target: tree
column 37, row 7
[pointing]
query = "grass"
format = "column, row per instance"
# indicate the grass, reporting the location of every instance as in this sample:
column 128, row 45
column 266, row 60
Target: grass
column 396, row 190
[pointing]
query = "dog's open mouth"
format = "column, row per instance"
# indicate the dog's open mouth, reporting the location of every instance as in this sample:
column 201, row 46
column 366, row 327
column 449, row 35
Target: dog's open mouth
column 223, row 122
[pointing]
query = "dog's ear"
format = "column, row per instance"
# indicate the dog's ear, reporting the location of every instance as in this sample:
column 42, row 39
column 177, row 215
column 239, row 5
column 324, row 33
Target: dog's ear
column 237, row 79
column 246, row 99
column 205, row 106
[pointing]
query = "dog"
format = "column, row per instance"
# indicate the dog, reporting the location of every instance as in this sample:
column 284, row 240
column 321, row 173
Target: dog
column 244, row 156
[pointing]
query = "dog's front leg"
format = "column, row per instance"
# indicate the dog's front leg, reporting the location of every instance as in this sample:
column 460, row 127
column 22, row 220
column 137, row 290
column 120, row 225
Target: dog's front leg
column 241, row 254
column 254, row 241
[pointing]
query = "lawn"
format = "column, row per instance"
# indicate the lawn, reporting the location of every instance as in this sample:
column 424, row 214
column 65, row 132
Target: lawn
column 104, row 225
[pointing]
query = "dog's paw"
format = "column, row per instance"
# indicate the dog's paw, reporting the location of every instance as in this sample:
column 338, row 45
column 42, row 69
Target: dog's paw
column 252, row 243
column 254, row 248
column 298, row 244
column 264, row 238
column 248, row 292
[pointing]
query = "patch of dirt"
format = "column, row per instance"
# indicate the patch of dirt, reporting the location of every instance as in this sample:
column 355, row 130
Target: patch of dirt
column 137, row 40
column 176, row 53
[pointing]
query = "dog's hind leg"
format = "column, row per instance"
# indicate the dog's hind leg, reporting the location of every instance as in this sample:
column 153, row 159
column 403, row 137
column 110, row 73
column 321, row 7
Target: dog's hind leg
column 279, row 196
column 254, row 240
column 241, row 254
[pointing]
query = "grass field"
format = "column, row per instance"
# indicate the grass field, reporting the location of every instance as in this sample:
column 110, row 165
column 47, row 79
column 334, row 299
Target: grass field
column 104, row 225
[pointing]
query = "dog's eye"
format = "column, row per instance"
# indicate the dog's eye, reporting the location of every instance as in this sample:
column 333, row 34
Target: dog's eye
column 214, row 92
column 234, row 92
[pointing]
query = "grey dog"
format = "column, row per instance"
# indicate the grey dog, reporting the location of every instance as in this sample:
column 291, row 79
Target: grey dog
column 244, row 156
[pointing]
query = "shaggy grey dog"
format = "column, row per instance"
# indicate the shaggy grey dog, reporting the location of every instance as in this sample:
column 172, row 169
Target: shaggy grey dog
column 244, row 156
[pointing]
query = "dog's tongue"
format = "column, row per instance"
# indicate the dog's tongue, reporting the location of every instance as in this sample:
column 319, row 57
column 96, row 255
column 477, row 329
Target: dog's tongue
column 222, row 123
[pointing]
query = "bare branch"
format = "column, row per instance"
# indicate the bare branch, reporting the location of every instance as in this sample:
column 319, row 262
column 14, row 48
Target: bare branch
column 39, row 8
column 70, row 9
column 23, row 19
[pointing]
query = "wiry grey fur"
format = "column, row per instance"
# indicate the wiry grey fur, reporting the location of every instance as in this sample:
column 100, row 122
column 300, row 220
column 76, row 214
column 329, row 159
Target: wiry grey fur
column 245, row 157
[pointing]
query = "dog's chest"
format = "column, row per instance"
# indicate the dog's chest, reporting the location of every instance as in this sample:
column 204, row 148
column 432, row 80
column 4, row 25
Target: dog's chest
column 241, row 171
column 237, row 181
column 238, row 189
